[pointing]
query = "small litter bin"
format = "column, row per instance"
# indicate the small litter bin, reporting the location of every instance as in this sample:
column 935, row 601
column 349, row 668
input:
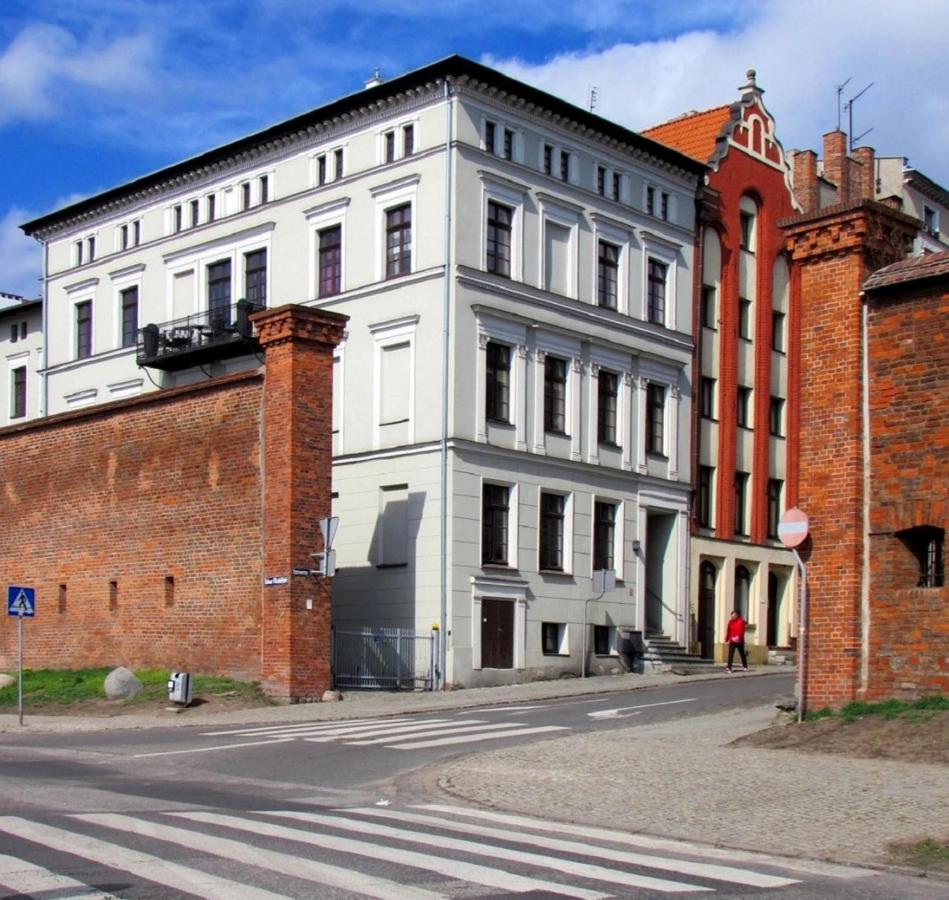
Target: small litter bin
column 632, row 648
column 179, row 688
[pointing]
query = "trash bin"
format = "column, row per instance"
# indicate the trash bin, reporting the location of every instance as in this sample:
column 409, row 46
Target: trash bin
column 179, row 688
column 632, row 648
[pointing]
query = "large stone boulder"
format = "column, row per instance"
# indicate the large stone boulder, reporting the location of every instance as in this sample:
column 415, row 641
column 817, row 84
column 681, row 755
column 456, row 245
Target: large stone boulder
column 120, row 684
column 6, row 680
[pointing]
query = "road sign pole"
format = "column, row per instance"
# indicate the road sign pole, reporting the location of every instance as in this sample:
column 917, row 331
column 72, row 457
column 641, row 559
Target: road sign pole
column 801, row 636
column 19, row 692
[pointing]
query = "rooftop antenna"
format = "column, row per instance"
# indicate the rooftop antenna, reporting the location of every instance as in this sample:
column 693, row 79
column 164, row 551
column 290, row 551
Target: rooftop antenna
column 850, row 103
column 593, row 96
column 840, row 90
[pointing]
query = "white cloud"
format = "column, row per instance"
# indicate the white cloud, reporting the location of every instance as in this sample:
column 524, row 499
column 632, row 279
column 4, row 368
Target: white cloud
column 801, row 52
column 21, row 261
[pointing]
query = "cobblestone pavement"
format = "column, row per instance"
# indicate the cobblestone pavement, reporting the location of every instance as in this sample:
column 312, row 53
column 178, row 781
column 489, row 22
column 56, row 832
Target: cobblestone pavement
column 681, row 779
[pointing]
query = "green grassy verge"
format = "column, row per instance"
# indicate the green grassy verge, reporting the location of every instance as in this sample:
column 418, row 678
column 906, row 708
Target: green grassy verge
column 59, row 687
column 911, row 710
column 925, row 854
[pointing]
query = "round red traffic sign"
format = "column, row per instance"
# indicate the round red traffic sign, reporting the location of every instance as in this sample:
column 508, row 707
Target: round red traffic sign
column 792, row 529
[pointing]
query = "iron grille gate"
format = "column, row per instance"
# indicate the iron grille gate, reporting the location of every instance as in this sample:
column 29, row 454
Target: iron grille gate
column 385, row 659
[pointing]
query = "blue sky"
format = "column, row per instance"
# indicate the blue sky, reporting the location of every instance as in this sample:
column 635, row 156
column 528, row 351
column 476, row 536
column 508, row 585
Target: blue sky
column 97, row 92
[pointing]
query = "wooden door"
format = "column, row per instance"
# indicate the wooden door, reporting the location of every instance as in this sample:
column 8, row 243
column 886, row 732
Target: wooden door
column 497, row 634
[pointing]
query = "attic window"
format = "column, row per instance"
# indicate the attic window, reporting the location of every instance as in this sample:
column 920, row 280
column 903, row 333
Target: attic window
column 927, row 544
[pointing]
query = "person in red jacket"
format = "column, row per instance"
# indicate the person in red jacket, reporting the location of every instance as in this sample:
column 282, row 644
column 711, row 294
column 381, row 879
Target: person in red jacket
column 735, row 638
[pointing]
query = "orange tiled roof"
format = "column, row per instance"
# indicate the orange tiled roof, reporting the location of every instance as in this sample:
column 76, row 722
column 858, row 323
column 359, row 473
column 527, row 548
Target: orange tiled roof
column 692, row 134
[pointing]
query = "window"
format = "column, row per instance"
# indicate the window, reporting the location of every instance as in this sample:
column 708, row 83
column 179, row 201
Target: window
column 601, row 180
column 655, row 419
column 137, row 231
column 494, row 524
column 704, row 511
column 607, row 388
column 552, row 637
column 551, row 531
column 90, row 249
column 607, row 275
column 330, row 261
column 499, row 239
column 747, row 231
column 776, row 417
column 489, row 135
column 389, row 139
column 617, row 186
column 744, row 407
column 219, row 293
column 22, row 331
column 664, row 206
column 176, row 215
column 255, row 277
column 775, row 488
column 777, row 332
column 264, row 183
column 129, row 303
column 195, row 213
column 555, row 394
column 651, row 200
column 338, row 163
column 708, row 307
column 564, row 165
column 321, row 169
column 18, row 392
column 744, row 319
column 742, row 590
column 656, row 290
column 498, row 382
column 124, row 237
column 931, row 221
column 245, row 195
column 708, row 398
column 79, row 253
column 211, row 207
column 84, row 329
column 601, row 640
column 927, row 544
column 508, row 144
column 14, row 332
column 408, row 140
column 741, row 488
column 548, row 159
column 399, row 240
column 604, row 535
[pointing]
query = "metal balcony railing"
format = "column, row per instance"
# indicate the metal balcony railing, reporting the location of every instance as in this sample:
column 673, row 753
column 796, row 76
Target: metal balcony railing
column 218, row 333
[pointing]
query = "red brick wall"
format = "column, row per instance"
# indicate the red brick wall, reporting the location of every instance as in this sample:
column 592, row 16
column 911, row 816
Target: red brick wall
column 166, row 485
column 909, row 396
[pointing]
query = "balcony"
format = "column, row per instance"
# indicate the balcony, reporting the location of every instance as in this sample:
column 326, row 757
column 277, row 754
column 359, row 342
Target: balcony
column 208, row 336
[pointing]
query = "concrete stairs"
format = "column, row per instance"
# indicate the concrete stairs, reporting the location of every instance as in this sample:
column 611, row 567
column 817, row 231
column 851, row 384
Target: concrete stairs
column 663, row 654
column 782, row 657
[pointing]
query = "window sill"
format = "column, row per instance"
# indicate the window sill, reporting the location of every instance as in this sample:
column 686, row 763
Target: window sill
column 560, row 655
column 556, row 433
column 542, row 571
column 746, row 427
column 499, row 565
column 610, row 445
column 652, row 454
column 505, row 423
column 708, row 418
column 403, row 565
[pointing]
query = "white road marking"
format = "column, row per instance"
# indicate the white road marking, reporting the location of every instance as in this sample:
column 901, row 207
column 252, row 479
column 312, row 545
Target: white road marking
column 284, row 863
column 483, row 736
column 447, row 867
column 460, row 728
column 362, row 732
column 208, row 749
column 679, row 866
column 673, row 845
column 22, row 877
column 511, row 709
column 587, row 871
column 305, row 726
column 615, row 713
column 142, row 865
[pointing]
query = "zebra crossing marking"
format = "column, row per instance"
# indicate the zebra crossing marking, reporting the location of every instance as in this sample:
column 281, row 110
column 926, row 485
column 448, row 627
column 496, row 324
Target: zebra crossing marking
column 444, row 866
column 387, row 729
column 682, row 867
column 135, row 862
column 465, row 726
column 305, row 726
column 209, row 749
column 26, row 878
column 483, row 736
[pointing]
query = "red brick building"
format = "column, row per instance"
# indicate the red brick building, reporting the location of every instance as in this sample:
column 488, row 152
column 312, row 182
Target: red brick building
column 745, row 410
column 162, row 531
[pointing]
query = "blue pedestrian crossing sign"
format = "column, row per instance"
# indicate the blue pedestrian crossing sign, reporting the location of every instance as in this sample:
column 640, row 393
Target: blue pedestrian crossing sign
column 21, row 601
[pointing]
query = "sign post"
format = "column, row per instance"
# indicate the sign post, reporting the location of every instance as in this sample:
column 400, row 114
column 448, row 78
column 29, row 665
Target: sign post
column 792, row 531
column 21, row 601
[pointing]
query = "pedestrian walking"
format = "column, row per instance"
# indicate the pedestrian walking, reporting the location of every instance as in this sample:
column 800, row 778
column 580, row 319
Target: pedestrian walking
column 735, row 638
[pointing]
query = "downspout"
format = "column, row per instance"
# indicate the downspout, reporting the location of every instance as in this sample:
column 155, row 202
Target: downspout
column 863, row 683
column 44, row 390
column 446, row 333
column 695, row 425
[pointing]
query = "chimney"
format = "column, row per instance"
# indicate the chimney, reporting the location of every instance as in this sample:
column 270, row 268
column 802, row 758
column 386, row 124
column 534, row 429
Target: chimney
column 375, row 79
column 804, row 176
column 835, row 163
column 863, row 175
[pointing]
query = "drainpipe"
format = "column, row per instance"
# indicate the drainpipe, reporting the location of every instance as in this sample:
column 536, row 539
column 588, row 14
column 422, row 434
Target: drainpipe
column 863, row 682
column 44, row 390
column 446, row 334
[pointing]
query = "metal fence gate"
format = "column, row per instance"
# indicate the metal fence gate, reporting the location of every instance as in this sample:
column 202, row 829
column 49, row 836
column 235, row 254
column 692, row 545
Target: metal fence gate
column 385, row 659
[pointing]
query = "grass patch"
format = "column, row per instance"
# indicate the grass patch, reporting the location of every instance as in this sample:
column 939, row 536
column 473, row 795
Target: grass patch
column 920, row 710
column 928, row 853
column 64, row 687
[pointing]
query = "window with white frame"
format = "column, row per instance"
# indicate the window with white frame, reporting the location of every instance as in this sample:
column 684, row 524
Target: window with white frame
column 607, row 275
column 655, row 418
column 18, row 392
column 83, row 329
column 659, row 273
column 553, row 638
column 396, row 206
column 255, row 277
column 498, row 502
column 498, row 382
column 327, row 246
column 606, row 407
column 555, row 394
column 502, row 206
column 498, row 239
column 128, row 301
column 553, row 543
column 326, row 166
column 656, row 290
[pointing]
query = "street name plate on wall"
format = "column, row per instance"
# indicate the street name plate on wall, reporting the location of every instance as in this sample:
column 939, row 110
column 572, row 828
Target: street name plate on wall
column 300, row 571
column 273, row 580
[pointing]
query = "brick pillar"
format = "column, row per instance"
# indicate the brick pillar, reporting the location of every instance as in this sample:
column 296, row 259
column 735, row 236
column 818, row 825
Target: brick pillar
column 863, row 181
column 804, row 174
column 836, row 162
column 297, row 444
column 832, row 256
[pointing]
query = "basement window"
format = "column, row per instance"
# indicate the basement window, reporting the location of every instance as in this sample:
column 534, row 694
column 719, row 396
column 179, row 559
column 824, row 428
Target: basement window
column 927, row 544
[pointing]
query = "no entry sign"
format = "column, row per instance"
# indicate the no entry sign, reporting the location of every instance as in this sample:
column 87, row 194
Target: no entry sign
column 792, row 529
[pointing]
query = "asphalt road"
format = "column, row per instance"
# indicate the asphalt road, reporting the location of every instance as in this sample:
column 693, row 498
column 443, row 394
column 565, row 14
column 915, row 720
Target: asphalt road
column 311, row 810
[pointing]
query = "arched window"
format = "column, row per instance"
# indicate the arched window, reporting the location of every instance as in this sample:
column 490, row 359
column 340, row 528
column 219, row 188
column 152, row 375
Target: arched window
column 742, row 590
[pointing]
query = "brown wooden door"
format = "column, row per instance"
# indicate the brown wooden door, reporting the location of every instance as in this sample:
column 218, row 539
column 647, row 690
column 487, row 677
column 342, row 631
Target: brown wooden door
column 497, row 634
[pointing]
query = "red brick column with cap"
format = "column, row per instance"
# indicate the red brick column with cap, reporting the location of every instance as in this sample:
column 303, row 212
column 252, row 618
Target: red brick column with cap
column 298, row 344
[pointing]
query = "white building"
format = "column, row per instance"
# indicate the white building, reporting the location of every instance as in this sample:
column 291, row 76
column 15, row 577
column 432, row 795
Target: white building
column 21, row 348
column 919, row 196
column 512, row 399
